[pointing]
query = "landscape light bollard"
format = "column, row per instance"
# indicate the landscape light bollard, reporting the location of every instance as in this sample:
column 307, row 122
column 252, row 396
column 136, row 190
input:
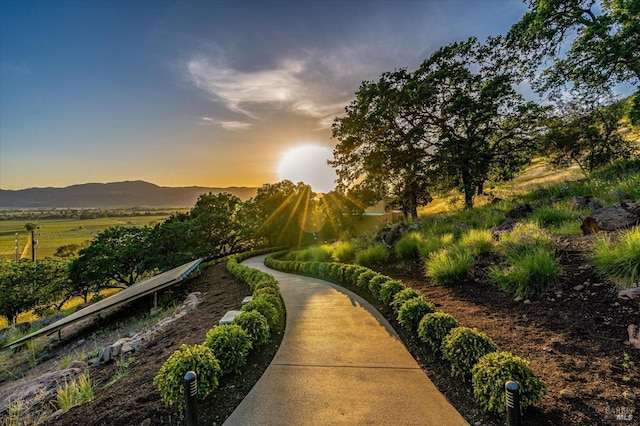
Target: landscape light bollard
column 190, row 391
column 512, row 392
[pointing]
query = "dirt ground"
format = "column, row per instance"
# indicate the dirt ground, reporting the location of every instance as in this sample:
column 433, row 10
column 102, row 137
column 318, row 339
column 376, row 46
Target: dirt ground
column 133, row 399
column 574, row 339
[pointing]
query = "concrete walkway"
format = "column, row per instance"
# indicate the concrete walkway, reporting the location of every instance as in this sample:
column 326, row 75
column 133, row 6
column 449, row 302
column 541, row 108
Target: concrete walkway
column 340, row 362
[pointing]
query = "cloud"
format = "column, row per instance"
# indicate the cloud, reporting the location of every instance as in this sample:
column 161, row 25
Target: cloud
column 225, row 124
column 307, row 86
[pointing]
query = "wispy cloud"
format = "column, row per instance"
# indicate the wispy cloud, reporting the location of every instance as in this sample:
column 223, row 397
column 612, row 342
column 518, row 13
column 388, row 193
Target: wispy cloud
column 303, row 86
column 225, row 124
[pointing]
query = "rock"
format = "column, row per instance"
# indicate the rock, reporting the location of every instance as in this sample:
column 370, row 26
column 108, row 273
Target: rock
column 629, row 395
column 527, row 302
column 390, row 235
column 146, row 422
column 629, row 293
column 507, row 225
column 579, row 202
column 78, row 364
column 110, row 352
column 594, row 205
column 619, row 195
column 44, row 358
column 610, row 218
column 519, row 211
column 579, row 287
column 518, row 299
column 568, row 394
column 632, row 330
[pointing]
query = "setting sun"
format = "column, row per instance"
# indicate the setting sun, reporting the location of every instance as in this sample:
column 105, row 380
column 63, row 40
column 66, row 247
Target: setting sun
column 308, row 164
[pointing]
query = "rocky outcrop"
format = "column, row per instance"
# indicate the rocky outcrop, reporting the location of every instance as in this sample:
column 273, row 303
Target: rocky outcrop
column 518, row 212
column 611, row 218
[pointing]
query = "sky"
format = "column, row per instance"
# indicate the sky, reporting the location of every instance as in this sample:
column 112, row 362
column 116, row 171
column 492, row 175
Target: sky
column 203, row 93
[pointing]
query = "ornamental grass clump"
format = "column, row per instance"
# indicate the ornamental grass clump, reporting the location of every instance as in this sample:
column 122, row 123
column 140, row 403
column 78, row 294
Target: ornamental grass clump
column 476, row 241
column 344, row 252
column 377, row 254
column 409, row 246
column 435, row 243
column 255, row 325
column 231, row 345
column 619, row 259
column 412, row 311
column 401, row 297
column 491, row 373
column 536, row 272
column 463, row 347
column 76, row 392
column 434, row 327
column 525, row 238
column 170, row 378
column 450, row 266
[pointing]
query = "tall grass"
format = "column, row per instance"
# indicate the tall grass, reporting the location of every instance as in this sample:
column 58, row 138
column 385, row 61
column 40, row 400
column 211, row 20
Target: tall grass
column 536, row 271
column 476, row 241
column 76, row 392
column 409, row 246
column 375, row 255
column 344, row 252
column 619, row 258
column 449, row 266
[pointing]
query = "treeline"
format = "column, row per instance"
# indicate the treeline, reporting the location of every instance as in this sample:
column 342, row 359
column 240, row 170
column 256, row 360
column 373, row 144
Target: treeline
column 458, row 122
column 69, row 213
column 280, row 214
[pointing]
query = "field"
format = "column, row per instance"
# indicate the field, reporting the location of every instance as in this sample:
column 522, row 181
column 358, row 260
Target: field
column 54, row 233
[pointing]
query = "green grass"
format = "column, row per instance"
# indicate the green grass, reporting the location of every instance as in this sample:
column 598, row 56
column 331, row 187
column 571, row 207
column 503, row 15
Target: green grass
column 76, row 392
column 476, row 241
column 375, row 255
column 54, row 233
column 449, row 266
column 619, row 258
column 536, row 271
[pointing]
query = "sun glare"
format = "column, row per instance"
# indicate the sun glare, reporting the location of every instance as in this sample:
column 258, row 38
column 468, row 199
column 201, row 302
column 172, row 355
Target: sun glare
column 308, row 164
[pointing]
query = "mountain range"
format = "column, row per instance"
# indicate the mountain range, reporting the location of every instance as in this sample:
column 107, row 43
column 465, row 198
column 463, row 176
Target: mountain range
column 114, row 194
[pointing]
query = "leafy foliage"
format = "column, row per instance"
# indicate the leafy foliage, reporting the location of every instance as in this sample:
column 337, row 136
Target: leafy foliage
column 388, row 291
column 402, row 296
column 412, row 311
column 270, row 311
column 491, row 373
column 255, row 325
column 463, row 347
column 170, row 379
column 230, row 344
column 434, row 327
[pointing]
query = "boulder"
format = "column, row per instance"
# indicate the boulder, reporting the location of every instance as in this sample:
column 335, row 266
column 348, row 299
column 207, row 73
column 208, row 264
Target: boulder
column 390, row 235
column 579, row 202
column 613, row 217
column 519, row 211
column 505, row 226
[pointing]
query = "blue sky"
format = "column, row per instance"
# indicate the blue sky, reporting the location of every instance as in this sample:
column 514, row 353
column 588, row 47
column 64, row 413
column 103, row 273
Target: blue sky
column 209, row 93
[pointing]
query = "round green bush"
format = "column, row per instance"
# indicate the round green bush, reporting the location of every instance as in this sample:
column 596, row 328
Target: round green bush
column 256, row 326
column 491, row 373
column 266, row 290
column 230, row 344
column 266, row 284
column 273, row 299
column 270, row 311
column 170, row 379
column 365, row 277
column 376, row 282
column 463, row 347
column 434, row 327
column 402, row 296
column 411, row 312
column 388, row 290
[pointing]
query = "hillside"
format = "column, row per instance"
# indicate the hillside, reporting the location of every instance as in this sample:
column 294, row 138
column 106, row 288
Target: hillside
column 115, row 194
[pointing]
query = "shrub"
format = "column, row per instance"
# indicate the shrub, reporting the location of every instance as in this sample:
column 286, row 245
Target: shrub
column 256, row 326
column 620, row 260
column 170, row 378
column 377, row 254
column 344, row 252
column 388, row 290
column 402, row 296
column 412, row 311
column 536, row 272
column 270, row 311
column 76, row 392
column 266, row 290
column 365, row 277
column 434, row 244
column 463, row 347
column 449, row 266
column 266, row 284
column 376, row 282
column 491, row 373
column 434, row 327
column 230, row 344
column 477, row 241
column 409, row 246
column 525, row 238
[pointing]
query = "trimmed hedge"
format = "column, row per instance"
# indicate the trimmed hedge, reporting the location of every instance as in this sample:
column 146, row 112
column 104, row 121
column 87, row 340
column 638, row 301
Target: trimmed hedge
column 256, row 326
column 463, row 347
column 411, row 312
column 433, row 328
column 230, row 344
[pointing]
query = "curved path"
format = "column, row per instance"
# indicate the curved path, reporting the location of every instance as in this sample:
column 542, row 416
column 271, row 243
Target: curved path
column 340, row 362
